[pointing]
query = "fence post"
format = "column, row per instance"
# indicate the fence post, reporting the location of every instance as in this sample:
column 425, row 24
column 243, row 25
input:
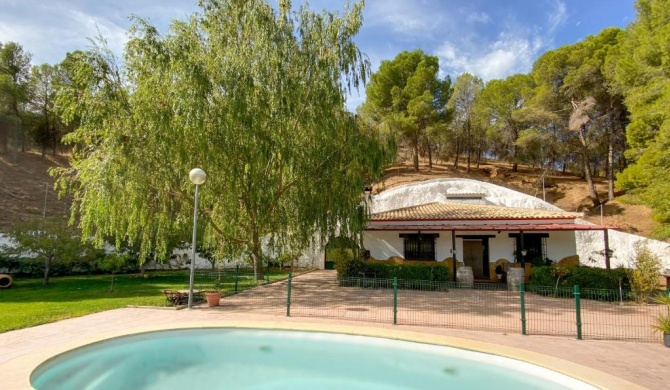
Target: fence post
column 237, row 276
column 578, row 312
column 288, row 296
column 395, row 300
column 522, row 296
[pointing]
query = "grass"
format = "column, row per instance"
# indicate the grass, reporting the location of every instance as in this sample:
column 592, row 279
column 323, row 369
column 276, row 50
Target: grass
column 27, row 303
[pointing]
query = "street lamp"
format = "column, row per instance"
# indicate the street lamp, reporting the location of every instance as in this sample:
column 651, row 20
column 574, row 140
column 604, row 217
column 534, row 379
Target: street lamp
column 197, row 176
column 523, row 257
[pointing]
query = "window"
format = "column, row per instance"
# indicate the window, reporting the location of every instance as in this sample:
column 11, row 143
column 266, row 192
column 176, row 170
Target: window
column 419, row 246
column 535, row 245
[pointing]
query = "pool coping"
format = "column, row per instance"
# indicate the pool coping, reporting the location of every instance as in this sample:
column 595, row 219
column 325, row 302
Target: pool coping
column 17, row 371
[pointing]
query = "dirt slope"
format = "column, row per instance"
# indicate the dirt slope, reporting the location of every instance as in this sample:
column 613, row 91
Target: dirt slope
column 22, row 189
column 24, row 186
column 567, row 191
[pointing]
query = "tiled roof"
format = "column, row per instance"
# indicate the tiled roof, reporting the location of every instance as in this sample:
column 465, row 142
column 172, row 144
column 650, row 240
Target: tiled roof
column 467, row 211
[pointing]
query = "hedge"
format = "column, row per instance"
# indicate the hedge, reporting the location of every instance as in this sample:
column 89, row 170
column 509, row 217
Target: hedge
column 380, row 269
column 584, row 277
column 34, row 267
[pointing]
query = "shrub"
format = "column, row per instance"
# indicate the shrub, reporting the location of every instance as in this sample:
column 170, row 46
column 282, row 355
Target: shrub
column 346, row 264
column 644, row 274
column 380, row 269
column 584, row 277
column 542, row 276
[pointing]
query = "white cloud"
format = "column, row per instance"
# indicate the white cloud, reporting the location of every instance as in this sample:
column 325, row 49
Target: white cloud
column 51, row 29
column 478, row 17
column 416, row 18
column 557, row 16
column 505, row 56
column 514, row 47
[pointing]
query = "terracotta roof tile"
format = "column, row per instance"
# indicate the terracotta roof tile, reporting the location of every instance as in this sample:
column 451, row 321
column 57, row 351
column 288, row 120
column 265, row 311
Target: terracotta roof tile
column 467, row 211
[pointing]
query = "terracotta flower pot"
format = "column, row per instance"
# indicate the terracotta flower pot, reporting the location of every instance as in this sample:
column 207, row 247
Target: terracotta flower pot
column 213, row 298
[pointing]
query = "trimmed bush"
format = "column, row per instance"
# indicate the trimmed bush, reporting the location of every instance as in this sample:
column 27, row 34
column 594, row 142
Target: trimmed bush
column 584, row 277
column 380, row 269
column 598, row 278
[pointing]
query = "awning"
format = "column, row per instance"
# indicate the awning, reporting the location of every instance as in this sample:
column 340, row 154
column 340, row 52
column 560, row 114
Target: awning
column 497, row 227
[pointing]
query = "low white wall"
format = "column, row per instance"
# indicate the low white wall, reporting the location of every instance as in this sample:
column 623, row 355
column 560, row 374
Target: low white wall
column 591, row 246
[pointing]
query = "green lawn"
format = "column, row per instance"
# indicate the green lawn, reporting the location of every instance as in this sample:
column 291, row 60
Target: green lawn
column 27, row 303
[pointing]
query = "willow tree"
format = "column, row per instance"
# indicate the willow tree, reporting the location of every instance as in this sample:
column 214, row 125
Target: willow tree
column 252, row 95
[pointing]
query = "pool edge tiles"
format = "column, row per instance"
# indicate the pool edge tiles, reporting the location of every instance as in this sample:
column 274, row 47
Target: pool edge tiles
column 17, row 371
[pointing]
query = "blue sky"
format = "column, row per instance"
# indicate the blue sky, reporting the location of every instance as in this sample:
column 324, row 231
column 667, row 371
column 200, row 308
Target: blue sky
column 489, row 38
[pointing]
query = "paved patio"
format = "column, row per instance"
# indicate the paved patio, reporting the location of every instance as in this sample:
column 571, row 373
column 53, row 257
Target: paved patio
column 644, row 364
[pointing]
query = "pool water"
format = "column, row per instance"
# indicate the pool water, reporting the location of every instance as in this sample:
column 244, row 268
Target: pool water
column 224, row 358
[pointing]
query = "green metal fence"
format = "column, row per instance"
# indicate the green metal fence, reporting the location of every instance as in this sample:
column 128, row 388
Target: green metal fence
column 531, row 310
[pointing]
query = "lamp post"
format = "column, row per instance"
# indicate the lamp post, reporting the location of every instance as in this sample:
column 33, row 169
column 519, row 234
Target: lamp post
column 198, row 177
column 523, row 258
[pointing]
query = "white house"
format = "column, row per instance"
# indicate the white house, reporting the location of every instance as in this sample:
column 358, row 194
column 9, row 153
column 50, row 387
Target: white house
column 405, row 210
column 464, row 228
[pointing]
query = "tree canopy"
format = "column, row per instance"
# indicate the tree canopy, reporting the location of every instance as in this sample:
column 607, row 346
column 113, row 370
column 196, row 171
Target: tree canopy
column 253, row 96
column 407, row 97
column 642, row 72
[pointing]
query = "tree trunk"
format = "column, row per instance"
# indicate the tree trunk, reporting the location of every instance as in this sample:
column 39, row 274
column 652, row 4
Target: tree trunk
column 610, row 169
column 430, row 157
column 479, row 152
column 16, row 144
column 458, row 152
column 256, row 256
column 469, row 145
column 142, row 267
column 4, row 140
column 47, row 265
column 587, row 171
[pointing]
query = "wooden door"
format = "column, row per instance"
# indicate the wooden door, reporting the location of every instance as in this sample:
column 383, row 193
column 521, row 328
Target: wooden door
column 473, row 256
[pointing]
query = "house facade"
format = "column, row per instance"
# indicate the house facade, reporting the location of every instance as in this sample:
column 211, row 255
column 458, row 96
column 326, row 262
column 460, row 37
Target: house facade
column 468, row 232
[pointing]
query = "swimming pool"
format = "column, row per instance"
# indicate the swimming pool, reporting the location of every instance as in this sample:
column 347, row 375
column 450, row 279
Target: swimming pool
column 230, row 358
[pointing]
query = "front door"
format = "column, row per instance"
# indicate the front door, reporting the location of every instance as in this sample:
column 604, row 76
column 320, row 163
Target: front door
column 473, row 256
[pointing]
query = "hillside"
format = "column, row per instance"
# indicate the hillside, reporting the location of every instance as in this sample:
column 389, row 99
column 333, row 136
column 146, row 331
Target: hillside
column 23, row 187
column 565, row 190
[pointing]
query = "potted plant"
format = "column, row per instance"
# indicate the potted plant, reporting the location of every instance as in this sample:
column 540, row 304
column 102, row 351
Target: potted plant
column 499, row 272
column 662, row 321
column 214, row 296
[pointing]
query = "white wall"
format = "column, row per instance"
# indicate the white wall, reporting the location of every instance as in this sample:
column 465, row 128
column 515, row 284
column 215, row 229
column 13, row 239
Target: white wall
column 434, row 191
column 561, row 244
column 591, row 245
column 385, row 244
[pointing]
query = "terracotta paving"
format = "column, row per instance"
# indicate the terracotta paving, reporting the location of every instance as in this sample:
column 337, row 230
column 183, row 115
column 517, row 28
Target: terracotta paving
column 646, row 364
